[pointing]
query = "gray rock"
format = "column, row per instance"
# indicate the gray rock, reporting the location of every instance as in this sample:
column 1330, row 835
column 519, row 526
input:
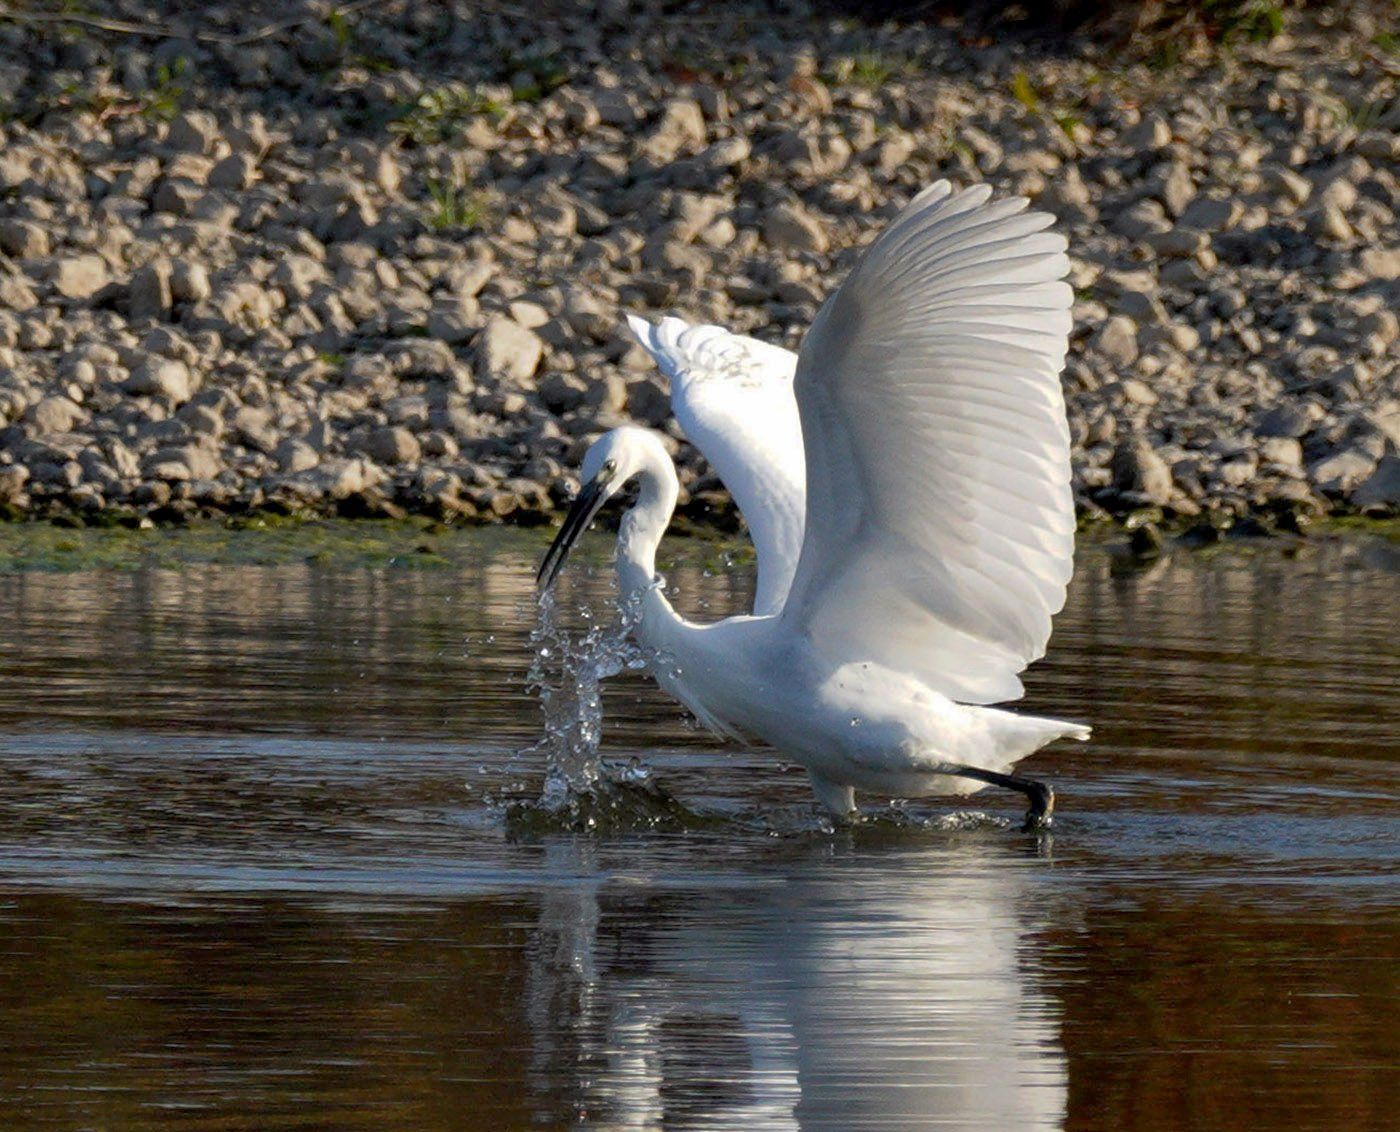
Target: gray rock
column 161, row 377
column 1137, row 392
column 1343, row 469
column 1142, row 219
column 58, row 472
column 562, row 392
column 202, row 420
column 1177, row 242
column 176, row 196
column 467, row 279
column 1283, row 451
column 148, row 294
column 1178, row 189
column 78, row 277
column 648, row 402
column 1380, row 263
column 154, row 493
column 1339, row 193
column 123, row 459
column 392, row 445
column 726, row 153
column 1294, row 186
column 1138, row 470
column 1382, row 487
column 1328, row 223
column 295, row 455
column 237, row 171
column 194, row 131
column 13, row 477
column 1142, row 307
column 580, row 111
column 16, row 294
column 681, row 126
column 296, row 275
column 1211, row 214
column 1237, row 470
column 1151, row 133
column 189, row 281
column 54, row 414
column 607, row 394
column 791, row 228
column 180, row 463
column 1117, row 341
column 453, row 318
column 505, row 349
column 1384, row 324
column 23, row 239
column 254, row 428
column 617, row 107
column 1381, row 145
column 1247, row 244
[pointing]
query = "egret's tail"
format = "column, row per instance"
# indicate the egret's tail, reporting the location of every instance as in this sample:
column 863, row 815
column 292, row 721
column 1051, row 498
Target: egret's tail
column 1072, row 730
column 1016, row 736
column 1040, row 731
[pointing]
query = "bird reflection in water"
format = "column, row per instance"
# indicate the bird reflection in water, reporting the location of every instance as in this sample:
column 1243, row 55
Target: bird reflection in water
column 854, row 989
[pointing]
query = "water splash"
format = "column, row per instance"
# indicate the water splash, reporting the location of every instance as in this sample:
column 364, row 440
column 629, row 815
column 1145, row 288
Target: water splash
column 582, row 790
column 568, row 671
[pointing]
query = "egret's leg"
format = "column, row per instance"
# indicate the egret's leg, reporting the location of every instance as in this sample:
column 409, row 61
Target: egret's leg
column 1041, row 797
column 840, row 800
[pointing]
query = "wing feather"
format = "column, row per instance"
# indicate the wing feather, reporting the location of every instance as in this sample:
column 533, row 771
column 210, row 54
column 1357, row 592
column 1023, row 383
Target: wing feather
column 940, row 520
column 733, row 396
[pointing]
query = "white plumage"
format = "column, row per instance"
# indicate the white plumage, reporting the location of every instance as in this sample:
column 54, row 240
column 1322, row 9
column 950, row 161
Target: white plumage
column 940, row 521
column 922, row 442
column 733, row 396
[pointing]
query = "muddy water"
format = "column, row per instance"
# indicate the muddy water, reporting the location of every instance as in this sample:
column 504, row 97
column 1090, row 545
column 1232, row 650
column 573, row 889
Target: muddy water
column 256, row 870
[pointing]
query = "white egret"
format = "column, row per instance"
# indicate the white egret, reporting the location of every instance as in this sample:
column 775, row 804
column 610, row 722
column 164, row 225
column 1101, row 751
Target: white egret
column 921, row 436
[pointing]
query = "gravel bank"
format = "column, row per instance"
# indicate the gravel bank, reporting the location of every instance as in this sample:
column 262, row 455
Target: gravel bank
column 374, row 259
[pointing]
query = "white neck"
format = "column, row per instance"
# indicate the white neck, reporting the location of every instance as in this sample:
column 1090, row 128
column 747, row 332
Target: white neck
column 637, row 539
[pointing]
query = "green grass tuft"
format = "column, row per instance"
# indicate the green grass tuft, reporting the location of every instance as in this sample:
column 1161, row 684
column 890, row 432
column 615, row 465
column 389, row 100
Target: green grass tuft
column 1257, row 21
column 1024, row 93
column 440, row 114
column 1066, row 116
column 535, row 75
column 164, row 99
column 455, row 205
column 869, row 69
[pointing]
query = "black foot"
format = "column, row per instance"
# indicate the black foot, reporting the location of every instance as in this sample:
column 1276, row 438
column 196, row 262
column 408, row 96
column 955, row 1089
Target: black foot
column 1042, row 799
column 1041, row 814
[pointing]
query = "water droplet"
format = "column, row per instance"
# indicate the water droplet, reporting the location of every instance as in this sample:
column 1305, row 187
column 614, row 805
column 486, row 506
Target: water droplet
column 567, row 672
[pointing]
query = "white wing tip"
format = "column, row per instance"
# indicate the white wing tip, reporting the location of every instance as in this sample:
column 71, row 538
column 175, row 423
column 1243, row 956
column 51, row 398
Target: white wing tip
column 936, row 191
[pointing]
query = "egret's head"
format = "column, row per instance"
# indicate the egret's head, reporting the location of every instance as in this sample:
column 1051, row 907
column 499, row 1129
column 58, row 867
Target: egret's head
column 612, row 460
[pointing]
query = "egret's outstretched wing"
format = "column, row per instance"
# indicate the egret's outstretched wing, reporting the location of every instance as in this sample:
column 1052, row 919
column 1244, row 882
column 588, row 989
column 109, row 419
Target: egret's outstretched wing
column 940, row 520
column 733, row 396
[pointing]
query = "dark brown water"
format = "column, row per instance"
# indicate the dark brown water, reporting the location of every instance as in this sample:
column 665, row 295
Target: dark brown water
column 255, row 872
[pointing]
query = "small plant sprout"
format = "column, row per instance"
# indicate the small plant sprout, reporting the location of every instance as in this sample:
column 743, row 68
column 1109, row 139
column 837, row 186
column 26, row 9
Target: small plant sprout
column 455, row 205
column 438, row 115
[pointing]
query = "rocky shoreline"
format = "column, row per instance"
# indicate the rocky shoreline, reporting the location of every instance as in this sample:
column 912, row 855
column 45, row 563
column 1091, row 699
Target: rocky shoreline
column 374, row 259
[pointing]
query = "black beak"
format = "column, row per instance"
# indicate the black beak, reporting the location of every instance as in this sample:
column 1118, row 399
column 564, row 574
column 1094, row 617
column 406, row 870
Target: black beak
column 591, row 498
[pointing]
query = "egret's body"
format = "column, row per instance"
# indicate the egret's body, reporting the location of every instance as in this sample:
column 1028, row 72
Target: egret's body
column 921, row 438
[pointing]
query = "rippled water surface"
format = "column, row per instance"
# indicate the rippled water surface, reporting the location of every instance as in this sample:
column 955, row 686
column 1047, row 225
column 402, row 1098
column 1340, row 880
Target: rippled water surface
column 257, row 869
